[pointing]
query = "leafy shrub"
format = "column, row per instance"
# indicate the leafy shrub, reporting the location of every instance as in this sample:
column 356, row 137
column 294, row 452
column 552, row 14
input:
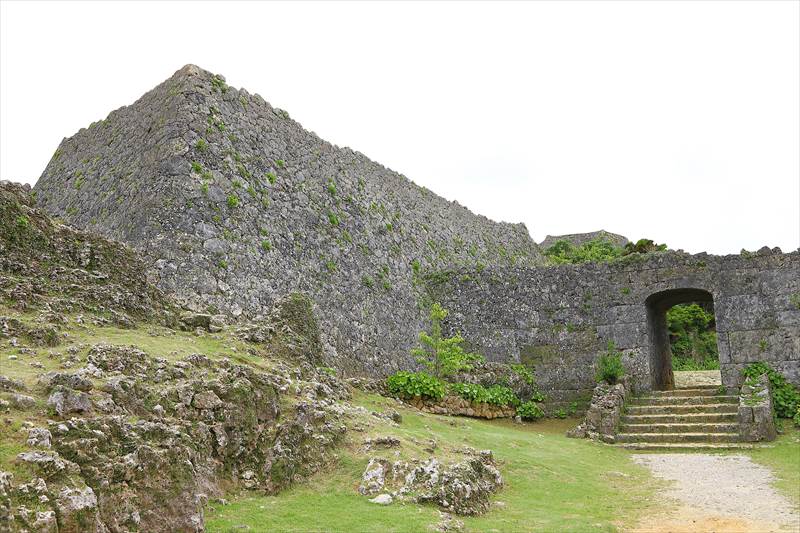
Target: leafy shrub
column 785, row 396
column 500, row 395
column 530, row 411
column 796, row 418
column 563, row 251
column 442, row 356
column 643, row 246
column 495, row 395
column 597, row 250
column 609, row 366
column 416, row 384
column 469, row 391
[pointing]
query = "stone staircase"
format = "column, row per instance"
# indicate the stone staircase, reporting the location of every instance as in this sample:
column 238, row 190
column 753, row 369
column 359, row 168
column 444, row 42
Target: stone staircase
column 698, row 418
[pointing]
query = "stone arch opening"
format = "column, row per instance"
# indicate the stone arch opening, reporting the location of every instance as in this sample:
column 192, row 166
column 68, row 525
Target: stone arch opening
column 658, row 304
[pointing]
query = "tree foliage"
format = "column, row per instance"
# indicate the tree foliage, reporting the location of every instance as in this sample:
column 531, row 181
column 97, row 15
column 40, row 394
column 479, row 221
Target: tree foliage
column 598, row 250
column 693, row 339
column 443, row 356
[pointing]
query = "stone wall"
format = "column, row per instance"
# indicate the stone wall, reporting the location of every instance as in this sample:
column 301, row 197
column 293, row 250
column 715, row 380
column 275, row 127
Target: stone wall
column 232, row 204
column 559, row 319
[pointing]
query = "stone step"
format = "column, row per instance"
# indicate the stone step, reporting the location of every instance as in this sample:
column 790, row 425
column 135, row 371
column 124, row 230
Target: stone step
column 706, row 408
column 678, row 437
column 673, row 418
column 691, row 427
column 683, row 400
column 699, row 391
column 685, row 446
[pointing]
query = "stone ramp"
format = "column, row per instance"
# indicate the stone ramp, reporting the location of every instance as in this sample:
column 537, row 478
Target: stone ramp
column 698, row 418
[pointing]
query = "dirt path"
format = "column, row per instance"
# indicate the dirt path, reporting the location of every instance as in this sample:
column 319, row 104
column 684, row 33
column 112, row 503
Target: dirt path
column 717, row 493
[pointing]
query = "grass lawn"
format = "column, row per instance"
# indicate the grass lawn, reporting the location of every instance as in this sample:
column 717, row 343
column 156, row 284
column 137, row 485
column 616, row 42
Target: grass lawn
column 551, row 483
column 783, row 458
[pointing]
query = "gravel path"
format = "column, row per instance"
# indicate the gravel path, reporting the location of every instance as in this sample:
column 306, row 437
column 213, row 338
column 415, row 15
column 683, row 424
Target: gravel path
column 719, row 493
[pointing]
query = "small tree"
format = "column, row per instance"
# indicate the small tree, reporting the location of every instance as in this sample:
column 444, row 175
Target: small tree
column 443, row 356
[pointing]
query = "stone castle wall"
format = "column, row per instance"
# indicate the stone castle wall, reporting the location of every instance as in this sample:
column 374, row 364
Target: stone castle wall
column 559, row 319
column 233, row 204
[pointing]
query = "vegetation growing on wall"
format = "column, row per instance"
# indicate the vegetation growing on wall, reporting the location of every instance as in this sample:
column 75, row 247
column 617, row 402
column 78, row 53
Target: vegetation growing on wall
column 785, row 396
column 609, row 366
column 693, row 338
column 598, row 250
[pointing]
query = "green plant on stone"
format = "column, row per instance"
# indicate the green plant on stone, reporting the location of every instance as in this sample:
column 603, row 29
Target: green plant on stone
column 794, row 299
column 201, row 145
column 331, row 187
column 232, row 200
column 530, row 411
column 785, row 396
column 204, row 188
column 266, row 245
column 197, row 167
column 443, row 356
column 609, row 366
column 416, row 385
column 271, row 177
column 222, row 263
column 218, row 84
column 23, row 222
column 333, row 218
column 367, row 281
column 280, row 162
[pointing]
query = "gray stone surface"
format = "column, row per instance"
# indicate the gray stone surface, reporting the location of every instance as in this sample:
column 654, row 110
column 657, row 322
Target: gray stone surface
column 604, row 413
column 756, row 417
column 559, row 319
column 579, row 238
column 310, row 216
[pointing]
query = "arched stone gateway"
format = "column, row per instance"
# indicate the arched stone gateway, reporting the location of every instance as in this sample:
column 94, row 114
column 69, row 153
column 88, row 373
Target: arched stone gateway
column 559, row 319
column 657, row 306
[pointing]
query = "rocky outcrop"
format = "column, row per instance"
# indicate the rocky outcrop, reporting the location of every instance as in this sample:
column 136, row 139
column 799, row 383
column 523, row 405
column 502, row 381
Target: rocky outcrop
column 604, row 413
column 200, row 425
column 463, row 488
column 457, row 406
column 756, row 416
column 44, row 262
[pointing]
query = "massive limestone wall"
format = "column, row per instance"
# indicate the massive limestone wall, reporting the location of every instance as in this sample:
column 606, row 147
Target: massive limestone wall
column 559, row 319
column 232, row 204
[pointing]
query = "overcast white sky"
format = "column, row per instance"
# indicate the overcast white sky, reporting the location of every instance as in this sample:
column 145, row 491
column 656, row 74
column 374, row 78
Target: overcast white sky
column 678, row 121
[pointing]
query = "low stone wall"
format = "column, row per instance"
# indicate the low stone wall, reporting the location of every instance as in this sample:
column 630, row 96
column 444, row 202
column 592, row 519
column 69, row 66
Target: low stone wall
column 604, row 413
column 457, row 406
column 756, row 417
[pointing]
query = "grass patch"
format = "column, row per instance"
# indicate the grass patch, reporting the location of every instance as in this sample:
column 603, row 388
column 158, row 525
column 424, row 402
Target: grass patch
column 783, row 458
column 551, row 483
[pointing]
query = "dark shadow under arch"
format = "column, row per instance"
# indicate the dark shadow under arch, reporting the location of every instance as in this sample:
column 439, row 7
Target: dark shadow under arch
column 660, row 353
